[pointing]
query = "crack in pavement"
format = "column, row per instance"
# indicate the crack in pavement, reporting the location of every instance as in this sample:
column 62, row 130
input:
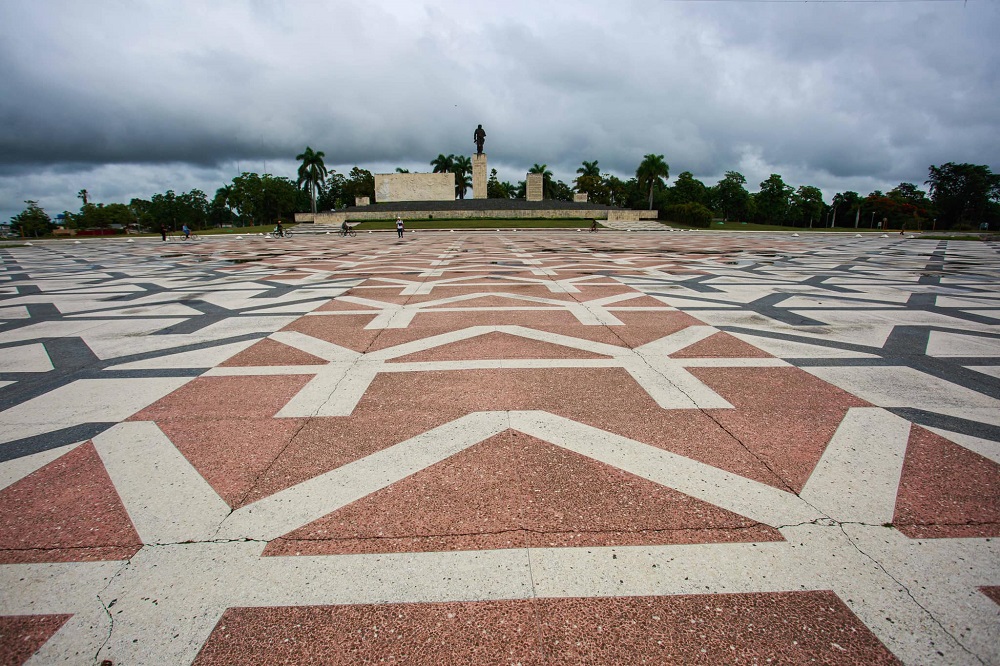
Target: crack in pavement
column 906, row 589
column 107, row 608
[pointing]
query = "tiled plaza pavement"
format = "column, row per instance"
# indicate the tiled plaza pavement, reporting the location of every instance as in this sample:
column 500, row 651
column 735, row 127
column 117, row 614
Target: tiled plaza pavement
column 525, row 447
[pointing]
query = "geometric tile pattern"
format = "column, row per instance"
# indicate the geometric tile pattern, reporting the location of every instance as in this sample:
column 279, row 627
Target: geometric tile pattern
column 544, row 447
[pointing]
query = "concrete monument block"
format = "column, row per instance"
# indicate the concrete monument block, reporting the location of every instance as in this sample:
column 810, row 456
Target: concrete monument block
column 479, row 176
column 533, row 189
column 391, row 187
column 362, row 201
column 580, row 197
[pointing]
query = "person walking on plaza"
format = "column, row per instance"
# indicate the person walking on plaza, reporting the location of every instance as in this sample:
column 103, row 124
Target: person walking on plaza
column 163, row 231
column 399, row 226
column 187, row 232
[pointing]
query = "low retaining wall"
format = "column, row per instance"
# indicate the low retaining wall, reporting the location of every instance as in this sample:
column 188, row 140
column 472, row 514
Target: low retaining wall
column 531, row 213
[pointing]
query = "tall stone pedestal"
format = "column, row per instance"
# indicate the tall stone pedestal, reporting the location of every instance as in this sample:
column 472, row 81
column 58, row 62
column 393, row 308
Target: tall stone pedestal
column 479, row 176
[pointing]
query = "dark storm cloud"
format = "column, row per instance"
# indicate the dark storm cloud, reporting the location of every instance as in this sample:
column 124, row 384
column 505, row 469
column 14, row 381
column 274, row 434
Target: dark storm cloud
column 139, row 97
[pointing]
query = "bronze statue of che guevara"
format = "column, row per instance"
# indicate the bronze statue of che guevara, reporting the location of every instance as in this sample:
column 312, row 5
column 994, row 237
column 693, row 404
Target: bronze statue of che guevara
column 479, row 136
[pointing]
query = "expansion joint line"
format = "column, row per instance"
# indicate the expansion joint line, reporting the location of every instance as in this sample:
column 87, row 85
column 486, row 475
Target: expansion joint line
column 912, row 598
column 539, row 634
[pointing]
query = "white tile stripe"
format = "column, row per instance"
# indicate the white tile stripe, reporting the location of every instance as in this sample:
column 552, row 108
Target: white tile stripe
column 165, row 496
column 857, row 477
column 749, row 498
column 289, row 509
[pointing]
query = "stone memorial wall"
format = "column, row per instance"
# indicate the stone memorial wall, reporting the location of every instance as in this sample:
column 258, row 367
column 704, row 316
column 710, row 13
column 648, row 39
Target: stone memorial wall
column 533, row 187
column 391, row 187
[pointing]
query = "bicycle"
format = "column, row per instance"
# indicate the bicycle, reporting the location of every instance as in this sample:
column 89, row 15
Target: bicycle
column 348, row 231
column 284, row 233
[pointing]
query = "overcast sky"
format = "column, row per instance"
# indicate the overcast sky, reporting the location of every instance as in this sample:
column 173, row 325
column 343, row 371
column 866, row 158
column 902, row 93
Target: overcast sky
column 128, row 98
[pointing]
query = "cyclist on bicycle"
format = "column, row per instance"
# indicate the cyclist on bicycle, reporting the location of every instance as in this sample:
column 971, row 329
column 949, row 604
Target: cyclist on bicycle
column 278, row 230
column 343, row 228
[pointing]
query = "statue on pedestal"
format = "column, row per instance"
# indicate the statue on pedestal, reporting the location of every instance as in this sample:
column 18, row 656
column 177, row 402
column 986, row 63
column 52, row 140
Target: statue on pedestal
column 479, row 136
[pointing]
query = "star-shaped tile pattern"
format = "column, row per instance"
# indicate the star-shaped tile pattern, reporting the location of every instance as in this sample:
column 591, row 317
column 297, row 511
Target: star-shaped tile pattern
column 534, row 447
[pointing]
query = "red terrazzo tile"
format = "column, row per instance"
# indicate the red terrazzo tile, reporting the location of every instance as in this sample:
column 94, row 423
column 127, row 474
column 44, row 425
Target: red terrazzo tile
column 225, row 398
column 435, row 323
column 348, row 330
column 644, row 327
column 499, row 632
column 789, row 442
column 639, row 329
column 531, row 318
column 337, row 305
column 721, row 345
column 993, row 592
column 785, row 628
column 497, row 345
column 22, row 635
column 231, row 454
column 497, row 301
column 373, row 291
column 327, row 443
column 790, row 627
column 344, row 330
column 400, row 405
column 271, row 352
column 639, row 302
column 590, row 292
column 320, row 266
column 67, row 511
column 514, row 490
column 485, row 285
column 775, row 389
column 946, row 491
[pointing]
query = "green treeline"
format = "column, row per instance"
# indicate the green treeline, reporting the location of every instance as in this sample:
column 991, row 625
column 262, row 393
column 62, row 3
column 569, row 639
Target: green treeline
column 959, row 197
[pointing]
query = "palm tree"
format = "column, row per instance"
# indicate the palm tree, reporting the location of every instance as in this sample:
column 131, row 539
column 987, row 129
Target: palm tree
column 443, row 164
column 651, row 173
column 83, row 194
column 589, row 169
column 589, row 179
column 462, row 166
column 546, row 178
column 312, row 171
column 402, row 170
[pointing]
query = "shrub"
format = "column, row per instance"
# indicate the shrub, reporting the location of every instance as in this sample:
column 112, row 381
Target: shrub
column 691, row 214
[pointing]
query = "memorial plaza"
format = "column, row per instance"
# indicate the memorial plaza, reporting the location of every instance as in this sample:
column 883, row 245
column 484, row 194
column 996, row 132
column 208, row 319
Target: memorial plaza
column 516, row 447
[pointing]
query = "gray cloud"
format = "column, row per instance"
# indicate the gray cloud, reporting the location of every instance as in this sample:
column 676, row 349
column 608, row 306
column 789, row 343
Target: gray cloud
column 135, row 98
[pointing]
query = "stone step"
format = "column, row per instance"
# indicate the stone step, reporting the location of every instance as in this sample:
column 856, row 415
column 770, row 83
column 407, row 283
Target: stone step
column 637, row 225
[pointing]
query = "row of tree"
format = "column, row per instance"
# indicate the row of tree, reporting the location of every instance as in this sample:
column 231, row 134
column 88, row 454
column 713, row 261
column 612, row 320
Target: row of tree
column 249, row 199
column 960, row 196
